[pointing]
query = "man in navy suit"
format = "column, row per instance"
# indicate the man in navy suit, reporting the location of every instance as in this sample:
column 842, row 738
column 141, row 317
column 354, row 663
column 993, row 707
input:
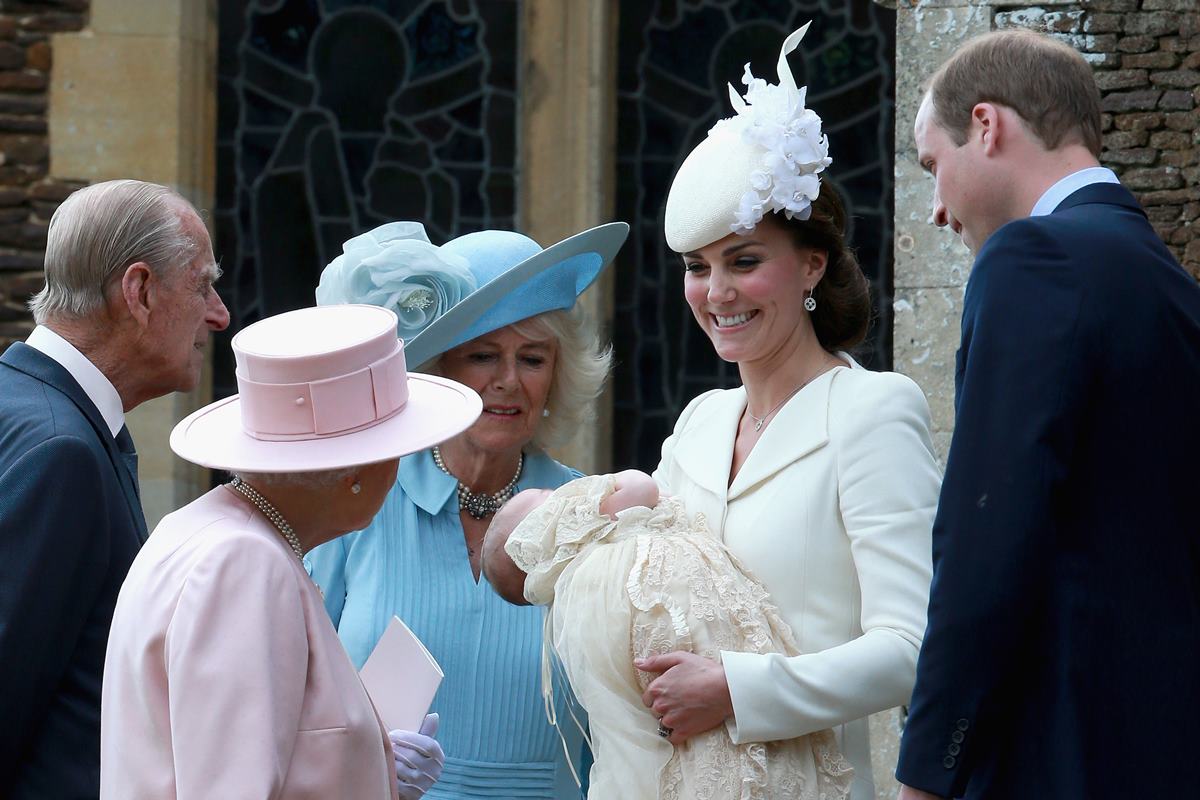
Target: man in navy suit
column 124, row 317
column 1062, row 656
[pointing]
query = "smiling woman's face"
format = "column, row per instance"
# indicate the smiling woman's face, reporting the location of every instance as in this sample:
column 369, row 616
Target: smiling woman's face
column 747, row 292
column 513, row 374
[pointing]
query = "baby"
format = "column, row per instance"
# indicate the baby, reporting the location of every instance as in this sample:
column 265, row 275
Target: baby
column 626, row 575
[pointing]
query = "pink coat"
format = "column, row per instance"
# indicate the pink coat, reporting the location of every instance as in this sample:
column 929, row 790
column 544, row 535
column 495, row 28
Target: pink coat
column 224, row 676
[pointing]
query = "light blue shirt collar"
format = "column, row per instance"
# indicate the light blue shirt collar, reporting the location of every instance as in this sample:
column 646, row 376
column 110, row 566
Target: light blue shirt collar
column 1068, row 186
column 431, row 490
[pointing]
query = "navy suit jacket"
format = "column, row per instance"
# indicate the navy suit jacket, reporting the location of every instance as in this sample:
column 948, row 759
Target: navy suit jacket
column 70, row 525
column 1062, row 657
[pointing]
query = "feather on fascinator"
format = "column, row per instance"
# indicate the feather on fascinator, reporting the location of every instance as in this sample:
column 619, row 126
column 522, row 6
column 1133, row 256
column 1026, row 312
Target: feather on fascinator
column 765, row 158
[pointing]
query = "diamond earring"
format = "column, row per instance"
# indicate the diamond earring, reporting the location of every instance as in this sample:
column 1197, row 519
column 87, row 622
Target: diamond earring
column 810, row 302
column 356, row 488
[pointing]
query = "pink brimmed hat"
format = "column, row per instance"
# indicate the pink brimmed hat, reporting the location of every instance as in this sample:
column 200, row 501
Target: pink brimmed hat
column 323, row 388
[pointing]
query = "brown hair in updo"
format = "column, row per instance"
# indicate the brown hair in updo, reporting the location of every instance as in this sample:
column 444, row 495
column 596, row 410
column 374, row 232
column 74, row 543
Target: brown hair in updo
column 843, row 296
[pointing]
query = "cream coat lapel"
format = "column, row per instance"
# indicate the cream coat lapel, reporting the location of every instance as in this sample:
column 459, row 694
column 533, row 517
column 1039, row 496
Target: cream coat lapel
column 800, row 427
column 705, row 449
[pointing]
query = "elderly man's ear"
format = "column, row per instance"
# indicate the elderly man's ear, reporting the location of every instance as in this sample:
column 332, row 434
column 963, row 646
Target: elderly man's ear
column 138, row 292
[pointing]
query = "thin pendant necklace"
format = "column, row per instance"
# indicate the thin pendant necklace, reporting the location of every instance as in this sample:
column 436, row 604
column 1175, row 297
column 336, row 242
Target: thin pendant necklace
column 272, row 515
column 760, row 421
column 481, row 504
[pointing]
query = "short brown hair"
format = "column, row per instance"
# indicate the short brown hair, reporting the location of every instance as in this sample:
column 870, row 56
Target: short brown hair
column 1045, row 81
column 843, row 296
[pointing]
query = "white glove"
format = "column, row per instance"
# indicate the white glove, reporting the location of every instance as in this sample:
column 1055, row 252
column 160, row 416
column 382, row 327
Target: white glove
column 419, row 759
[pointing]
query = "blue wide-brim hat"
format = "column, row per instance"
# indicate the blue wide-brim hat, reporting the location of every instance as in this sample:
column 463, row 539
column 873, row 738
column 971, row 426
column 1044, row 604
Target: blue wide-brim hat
column 470, row 286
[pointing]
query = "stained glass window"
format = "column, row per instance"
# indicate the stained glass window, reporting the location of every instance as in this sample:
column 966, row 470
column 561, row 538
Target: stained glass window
column 336, row 116
column 675, row 59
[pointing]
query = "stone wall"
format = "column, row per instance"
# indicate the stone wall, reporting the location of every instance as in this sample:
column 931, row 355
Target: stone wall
column 1147, row 59
column 28, row 196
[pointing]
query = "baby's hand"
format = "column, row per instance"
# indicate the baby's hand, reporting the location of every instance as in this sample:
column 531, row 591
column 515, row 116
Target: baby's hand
column 633, row 488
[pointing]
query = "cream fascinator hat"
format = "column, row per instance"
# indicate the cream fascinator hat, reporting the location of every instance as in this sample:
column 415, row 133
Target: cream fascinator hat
column 765, row 158
column 321, row 389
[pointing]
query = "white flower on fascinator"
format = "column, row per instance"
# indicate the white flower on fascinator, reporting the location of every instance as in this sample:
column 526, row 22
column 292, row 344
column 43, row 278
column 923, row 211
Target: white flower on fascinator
column 773, row 119
column 395, row 266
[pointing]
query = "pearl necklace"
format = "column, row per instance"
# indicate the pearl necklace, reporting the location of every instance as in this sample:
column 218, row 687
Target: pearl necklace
column 480, row 504
column 268, row 510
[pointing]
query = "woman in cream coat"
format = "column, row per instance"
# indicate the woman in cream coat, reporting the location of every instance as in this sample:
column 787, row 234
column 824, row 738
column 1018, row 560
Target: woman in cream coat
column 818, row 474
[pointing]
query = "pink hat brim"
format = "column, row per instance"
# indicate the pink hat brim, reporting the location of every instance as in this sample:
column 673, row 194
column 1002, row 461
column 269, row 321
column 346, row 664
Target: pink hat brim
column 437, row 409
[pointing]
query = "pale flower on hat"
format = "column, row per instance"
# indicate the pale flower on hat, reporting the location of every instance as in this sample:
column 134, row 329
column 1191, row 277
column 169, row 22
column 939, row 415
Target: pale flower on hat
column 766, row 158
column 470, row 286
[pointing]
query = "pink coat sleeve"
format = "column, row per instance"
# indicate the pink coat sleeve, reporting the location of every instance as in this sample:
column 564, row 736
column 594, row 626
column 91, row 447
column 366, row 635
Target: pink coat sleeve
column 236, row 655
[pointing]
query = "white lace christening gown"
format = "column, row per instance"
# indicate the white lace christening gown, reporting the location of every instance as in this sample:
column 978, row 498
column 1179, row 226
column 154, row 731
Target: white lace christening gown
column 652, row 582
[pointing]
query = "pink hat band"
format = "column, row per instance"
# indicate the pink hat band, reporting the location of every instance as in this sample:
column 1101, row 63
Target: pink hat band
column 331, row 407
column 302, row 378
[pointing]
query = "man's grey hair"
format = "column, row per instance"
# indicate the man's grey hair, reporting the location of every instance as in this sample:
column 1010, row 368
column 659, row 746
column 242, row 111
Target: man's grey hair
column 98, row 232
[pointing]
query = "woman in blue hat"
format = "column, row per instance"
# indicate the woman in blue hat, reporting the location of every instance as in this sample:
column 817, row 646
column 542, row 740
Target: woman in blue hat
column 496, row 312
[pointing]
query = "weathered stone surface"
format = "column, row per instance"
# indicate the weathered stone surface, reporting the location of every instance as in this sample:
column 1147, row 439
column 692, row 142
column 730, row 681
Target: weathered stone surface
column 11, row 56
column 1102, row 23
column 22, row 104
column 1170, row 196
column 1110, row 5
column 1140, row 100
column 24, row 149
column 1121, row 140
column 1181, row 121
column 24, row 285
column 1157, row 60
column 1168, row 5
column 1179, row 158
column 925, row 256
column 1040, row 19
column 16, row 123
column 1139, row 156
column 1192, row 251
column 20, row 260
column 1104, row 43
column 1178, row 44
column 27, row 81
column 1136, row 44
column 1106, row 122
column 53, row 21
column 1163, row 213
column 1152, row 178
column 38, row 56
column 55, row 191
column 1102, row 60
column 1178, row 78
column 927, row 334
column 1122, row 79
column 1137, row 122
column 1170, row 140
column 1151, row 23
column 1176, row 100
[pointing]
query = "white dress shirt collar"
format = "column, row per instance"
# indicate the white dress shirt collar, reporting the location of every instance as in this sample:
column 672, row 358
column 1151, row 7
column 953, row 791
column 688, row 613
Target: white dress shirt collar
column 1068, row 186
column 95, row 385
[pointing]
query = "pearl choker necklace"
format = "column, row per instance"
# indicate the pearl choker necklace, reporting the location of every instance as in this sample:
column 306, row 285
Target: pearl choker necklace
column 480, row 504
column 268, row 510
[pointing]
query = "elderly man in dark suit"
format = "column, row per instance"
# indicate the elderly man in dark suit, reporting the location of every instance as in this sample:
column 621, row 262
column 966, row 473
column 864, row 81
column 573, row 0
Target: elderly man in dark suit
column 124, row 317
column 1062, row 657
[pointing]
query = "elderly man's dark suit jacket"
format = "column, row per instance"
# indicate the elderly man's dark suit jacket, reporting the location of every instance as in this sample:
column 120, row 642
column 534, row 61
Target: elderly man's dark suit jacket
column 70, row 525
column 1062, row 658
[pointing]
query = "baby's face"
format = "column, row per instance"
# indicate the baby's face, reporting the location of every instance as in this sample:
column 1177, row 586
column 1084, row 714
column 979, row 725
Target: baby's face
column 498, row 568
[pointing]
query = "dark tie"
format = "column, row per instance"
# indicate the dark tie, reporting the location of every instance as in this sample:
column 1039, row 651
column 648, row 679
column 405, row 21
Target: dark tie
column 129, row 456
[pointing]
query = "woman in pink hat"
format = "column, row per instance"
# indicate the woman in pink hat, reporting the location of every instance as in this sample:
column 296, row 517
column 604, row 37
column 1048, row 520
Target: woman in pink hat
column 224, row 677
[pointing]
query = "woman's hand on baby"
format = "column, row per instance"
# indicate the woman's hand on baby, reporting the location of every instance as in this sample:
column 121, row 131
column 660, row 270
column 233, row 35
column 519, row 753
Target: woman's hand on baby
column 690, row 695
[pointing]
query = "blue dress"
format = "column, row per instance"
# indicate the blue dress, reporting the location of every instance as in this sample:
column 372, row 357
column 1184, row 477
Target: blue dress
column 412, row 562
